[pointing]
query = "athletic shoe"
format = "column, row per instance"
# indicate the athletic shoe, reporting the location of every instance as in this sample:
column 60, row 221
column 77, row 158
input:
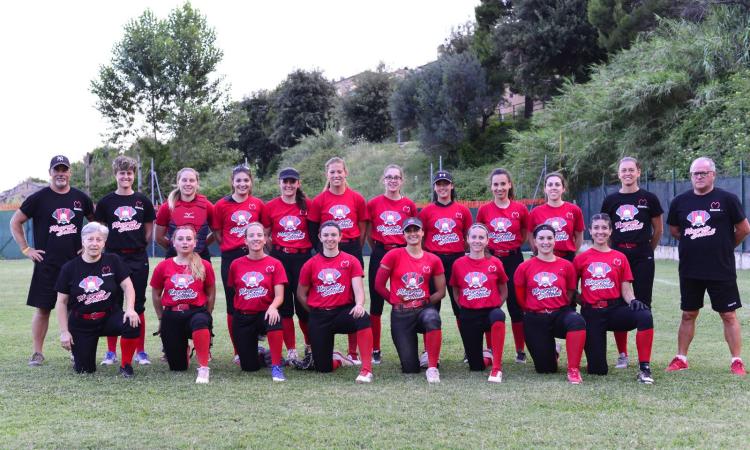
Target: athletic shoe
column 622, row 361
column 261, row 337
column 291, row 355
column 521, row 357
column 364, row 377
column 203, row 373
column 264, row 357
column 376, row 357
column 126, row 371
column 277, row 373
column 355, row 359
column 236, row 360
column 433, row 375
column 142, row 359
column 574, row 376
column 487, row 354
column 738, row 368
column 644, row 376
column 496, row 376
column 558, row 348
column 466, row 358
column 423, row 360
column 677, row 364
column 109, row 359
column 345, row 360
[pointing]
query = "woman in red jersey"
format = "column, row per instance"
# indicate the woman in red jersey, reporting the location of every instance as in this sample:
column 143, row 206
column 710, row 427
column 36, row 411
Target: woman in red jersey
column 183, row 292
column 507, row 221
column 387, row 213
column 332, row 289
column 566, row 218
column 410, row 272
column 479, row 282
column 608, row 301
column 257, row 281
column 545, row 285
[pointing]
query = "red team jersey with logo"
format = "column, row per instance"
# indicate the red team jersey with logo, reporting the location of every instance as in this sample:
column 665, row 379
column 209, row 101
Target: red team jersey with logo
column 198, row 213
column 410, row 277
column 566, row 219
column 253, row 282
column 347, row 210
column 504, row 225
column 232, row 219
column 477, row 281
column 602, row 274
column 445, row 227
column 288, row 224
column 92, row 287
column 387, row 217
column 180, row 287
column 544, row 284
column 330, row 280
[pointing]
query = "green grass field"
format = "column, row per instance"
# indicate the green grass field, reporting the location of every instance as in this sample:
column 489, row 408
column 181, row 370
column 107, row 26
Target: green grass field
column 50, row 406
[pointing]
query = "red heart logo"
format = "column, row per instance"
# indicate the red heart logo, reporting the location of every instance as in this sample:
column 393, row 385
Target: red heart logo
column 515, row 214
column 426, row 269
column 715, row 205
column 492, row 268
column 106, row 269
column 344, row 264
column 617, row 261
column 270, row 269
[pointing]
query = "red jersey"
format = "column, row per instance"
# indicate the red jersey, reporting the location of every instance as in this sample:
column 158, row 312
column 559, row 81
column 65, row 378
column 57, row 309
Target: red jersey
column 347, row 210
column 410, row 276
column 602, row 274
column 254, row 281
column 477, row 281
column 179, row 285
column 566, row 219
column 504, row 225
column 544, row 285
column 445, row 227
column 330, row 279
column 198, row 213
column 232, row 219
column 387, row 217
column 288, row 224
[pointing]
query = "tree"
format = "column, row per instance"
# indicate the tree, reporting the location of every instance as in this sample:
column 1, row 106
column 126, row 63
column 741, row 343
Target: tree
column 254, row 140
column 365, row 109
column 402, row 104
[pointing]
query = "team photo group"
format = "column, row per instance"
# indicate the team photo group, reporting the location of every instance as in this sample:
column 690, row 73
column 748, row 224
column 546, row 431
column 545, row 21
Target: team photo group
column 303, row 256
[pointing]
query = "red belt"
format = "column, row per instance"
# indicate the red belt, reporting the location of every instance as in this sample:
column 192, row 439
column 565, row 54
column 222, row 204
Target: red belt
column 544, row 311
column 627, row 245
column 387, row 246
column 181, row 307
column 602, row 304
column 503, row 253
column 130, row 251
column 94, row 315
column 349, row 241
column 246, row 313
column 291, row 249
column 414, row 304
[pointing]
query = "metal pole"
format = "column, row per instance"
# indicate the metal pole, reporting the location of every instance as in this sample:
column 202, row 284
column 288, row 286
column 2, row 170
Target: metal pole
column 440, row 161
column 430, row 182
column 742, row 192
column 151, row 176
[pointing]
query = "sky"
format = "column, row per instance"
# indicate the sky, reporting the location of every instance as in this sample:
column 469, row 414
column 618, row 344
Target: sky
column 53, row 49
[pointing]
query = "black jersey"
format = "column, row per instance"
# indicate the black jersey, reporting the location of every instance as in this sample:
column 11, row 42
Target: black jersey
column 631, row 216
column 92, row 287
column 125, row 216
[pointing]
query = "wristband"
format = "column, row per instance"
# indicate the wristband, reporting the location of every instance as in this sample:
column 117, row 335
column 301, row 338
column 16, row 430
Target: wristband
column 25, row 251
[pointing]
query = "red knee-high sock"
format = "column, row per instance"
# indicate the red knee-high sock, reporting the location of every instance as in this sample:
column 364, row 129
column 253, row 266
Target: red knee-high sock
column 290, row 340
column 488, row 338
column 127, row 350
column 376, row 329
column 574, row 342
column 498, row 341
column 336, row 364
column 644, row 340
column 518, row 337
column 231, row 333
column 303, row 327
column 432, row 342
column 112, row 344
column 142, row 336
column 202, row 343
column 352, row 344
column 275, row 341
column 364, row 340
column 621, row 339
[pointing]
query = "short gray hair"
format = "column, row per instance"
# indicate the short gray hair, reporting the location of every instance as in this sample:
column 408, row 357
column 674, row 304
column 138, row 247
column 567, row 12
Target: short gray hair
column 711, row 164
column 95, row 227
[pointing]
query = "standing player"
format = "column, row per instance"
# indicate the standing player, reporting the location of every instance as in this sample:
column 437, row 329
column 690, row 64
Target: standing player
column 57, row 212
column 480, row 284
column 410, row 272
column 507, row 222
column 545, row 285
column 608, row 302
column 332, row 289
column 709, row 223
column 637, row 231
column 129, row 215
column 183, row 293
column 231, row 216
column 387, row 213
column 564, row 217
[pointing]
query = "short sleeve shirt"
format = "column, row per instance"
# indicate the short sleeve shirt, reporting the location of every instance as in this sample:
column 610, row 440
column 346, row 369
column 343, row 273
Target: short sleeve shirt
column 546, row 283
column 410, row 277
column 445, row 227
column 254, row 281
column 566, row 219
column 631, row 216
column 232, row 218
column 387, row 217
column 602, row 274
column 477, row 281
column 92, row 287
column 179, row 285
column 125, row 216
column 504, row 225
column 347, row 210
column 288, row 224
column 330, row 279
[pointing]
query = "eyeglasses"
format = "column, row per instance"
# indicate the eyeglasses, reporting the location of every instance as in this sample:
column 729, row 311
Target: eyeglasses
column 392, row 177
column 701, row 174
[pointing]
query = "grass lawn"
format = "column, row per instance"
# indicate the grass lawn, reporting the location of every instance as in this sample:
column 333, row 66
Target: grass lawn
column 50, row 406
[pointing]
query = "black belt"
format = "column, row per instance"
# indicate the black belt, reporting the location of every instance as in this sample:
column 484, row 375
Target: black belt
column 603, row 304
column 544, row 312
column 129, row 251
column 182, row 307
column 504, row 253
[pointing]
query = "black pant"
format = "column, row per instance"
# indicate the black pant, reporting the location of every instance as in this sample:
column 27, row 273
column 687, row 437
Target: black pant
column 474, row 323
column 642, row 265
column 324, row 324
column 541, row 330
column 405, row 324
column 292, row 263
column 227, row 258
column 246, row 328
column 353, row 248
column 510, row 264
column 447, row 259
column 376, row 301
column 138, row 265
column 617, row 317
column 86, row 335
column 176, row 328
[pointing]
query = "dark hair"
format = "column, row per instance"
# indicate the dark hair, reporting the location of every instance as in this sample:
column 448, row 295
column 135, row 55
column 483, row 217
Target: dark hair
column 246, row 170
column 601, row 216
column 500, row 171
column 434, row 194
column 299, row 197
column 329, row 223
column 543, row 227
column 558, row 175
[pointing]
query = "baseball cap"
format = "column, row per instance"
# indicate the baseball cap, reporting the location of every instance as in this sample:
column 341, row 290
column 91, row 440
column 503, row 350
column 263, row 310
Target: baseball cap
column 59, row 160
column 442, row 175
column 412, row 222
column 288, row 172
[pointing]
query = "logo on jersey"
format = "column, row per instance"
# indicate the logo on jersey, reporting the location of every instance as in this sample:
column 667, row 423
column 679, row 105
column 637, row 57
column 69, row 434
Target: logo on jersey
column 390, row 226
column 126, row 222
column 558, row 223
column 715, row 206
column 627, row 212
column 500, row 224
column 698, row 218
column 599, row 269
column 289, row 223
column 182, row 290
column 241, row 218
column 181, row 281
column 642, row 203
column 339, row 212
column 329, row 276
column 500, row 233
column 252, row 279
column 92, row 294
column 475, row 282
column 627, row 220
column 63, row 217
column 545, row 279
column 390, row 217
column 125, row 213
column 91, row 284
column 289, row 226
column 445, row 234
column 599, row 278
column 445, row 225
column 330, row 285
column 406, row 209
column 412, row 289
column 700, row 228
column 412, row 280
column 546, row 286
column 77, row 205
column 253, row 288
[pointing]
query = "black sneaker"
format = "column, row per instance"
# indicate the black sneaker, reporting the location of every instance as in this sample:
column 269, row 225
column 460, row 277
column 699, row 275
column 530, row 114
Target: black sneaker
column 127, row 371
column 376, row 358
column 521, row 357
column 644, row 376
column 306, row 363
column 466, row 359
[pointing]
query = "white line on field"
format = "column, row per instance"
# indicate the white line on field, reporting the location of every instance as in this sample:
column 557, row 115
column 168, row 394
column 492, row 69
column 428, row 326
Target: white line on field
column 667, row 282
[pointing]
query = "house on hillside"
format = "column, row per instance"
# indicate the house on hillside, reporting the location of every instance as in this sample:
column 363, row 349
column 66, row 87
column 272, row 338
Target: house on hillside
column 17, row 194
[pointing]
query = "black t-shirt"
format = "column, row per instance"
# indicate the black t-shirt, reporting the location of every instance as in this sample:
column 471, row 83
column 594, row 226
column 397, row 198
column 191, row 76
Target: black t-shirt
column 125, row 215
column 706, row 225
column 631, row 216
column 92, row 287
column 57, row 220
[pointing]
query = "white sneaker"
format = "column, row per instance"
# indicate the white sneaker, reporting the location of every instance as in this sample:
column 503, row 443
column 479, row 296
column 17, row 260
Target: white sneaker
column 487, row 354
column 364, row 377
column 236, row 360
column 433, row 375
column 345, row 360
column 109, row 359
column 291, row 355
column 423, row 360
column 496, row 377
column 202, row 375
column 622, row 361
column 355, row 359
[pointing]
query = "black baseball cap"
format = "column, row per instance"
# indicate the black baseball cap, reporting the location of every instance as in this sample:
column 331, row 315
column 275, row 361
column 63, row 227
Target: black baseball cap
column 442, row 175
column 412, row 222
column 59, row 160
column 288, row 172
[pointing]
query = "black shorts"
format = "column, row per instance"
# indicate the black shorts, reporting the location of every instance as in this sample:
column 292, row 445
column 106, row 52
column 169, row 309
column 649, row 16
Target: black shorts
column 724, row 294
column 42, row 292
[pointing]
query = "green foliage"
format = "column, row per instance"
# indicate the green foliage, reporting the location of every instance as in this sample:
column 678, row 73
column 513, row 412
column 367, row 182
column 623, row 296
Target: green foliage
column 403, row 103
column 254, row 140
column 101, row 178
column 365, row 109
column 488, row 146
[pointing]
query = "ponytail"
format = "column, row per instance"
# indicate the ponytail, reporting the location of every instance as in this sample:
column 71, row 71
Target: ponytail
column 334, row 160
column 300, row 199
column 196, row 262
column 174, row 195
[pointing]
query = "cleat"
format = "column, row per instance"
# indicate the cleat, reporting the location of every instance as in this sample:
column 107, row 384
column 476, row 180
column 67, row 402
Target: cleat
column 521, row 357
column 364, row 377
column 496, row 376
column 433, row 375
column 466, row 358
column 622, row 361
column 236, row 360
column 423, row 360
column 109, row 359
column 126, row 371
column 202, row 377
column 261, row 338
column 163, row 357
column 277, row 373
column 345, row 360
column 355, row 359
column 677, row 364
column 738, row 367
column 574, row 376
column 291, row 355
column 376, row 357
column 142, row 358
column 644, row 376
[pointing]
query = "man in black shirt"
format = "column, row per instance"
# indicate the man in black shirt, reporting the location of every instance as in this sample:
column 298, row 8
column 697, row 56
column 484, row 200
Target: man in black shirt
column 709, row 223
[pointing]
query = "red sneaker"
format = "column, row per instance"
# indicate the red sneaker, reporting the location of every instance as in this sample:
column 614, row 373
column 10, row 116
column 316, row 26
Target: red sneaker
column 677, row 364
column 738, row 368
column 574, row 376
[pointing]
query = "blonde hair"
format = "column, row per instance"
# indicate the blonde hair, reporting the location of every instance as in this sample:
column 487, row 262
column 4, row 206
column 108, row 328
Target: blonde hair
column 254, row 224
column 481, row 226
column 123, row 162
column 172, row 198
column 196, row 262
column 334, row 160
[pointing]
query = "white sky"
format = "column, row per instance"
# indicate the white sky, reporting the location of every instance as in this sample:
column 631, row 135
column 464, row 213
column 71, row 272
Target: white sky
column 52, row 50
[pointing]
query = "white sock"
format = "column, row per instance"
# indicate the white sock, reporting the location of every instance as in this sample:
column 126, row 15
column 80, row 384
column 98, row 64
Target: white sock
column 736, row 358
column 682, row 357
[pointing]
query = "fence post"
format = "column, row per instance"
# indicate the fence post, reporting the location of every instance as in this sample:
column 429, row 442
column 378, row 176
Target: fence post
column 672, row 240
column 742, row 191
column 588, row 205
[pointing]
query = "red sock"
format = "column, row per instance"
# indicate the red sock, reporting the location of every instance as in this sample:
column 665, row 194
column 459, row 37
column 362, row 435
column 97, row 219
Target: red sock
column 432, row 341
column 290, row 340
column 231, row 333
column 621, row 339
column 498, row 341
column 336, row 364
column 303, row 327
column 202, row 343
column 364, row 340
column 488, row 338
column 275, row 341
column 142, row 337
column 376, row 329
column 574, row 342
column 352, row 344
column 644, row 340
column 518, row 337
column 112, row 344
column 127, row 349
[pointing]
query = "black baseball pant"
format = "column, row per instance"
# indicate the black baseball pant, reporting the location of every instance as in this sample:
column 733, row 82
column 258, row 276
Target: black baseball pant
column 176, row 328
column 474, row 323
column 405, row 324
column 247, row 328
column 447, row 259
column 227, row 258
column 292, row 263
column 86, row 333
column 541, row 329
column 324, row 324
column 642, row 265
